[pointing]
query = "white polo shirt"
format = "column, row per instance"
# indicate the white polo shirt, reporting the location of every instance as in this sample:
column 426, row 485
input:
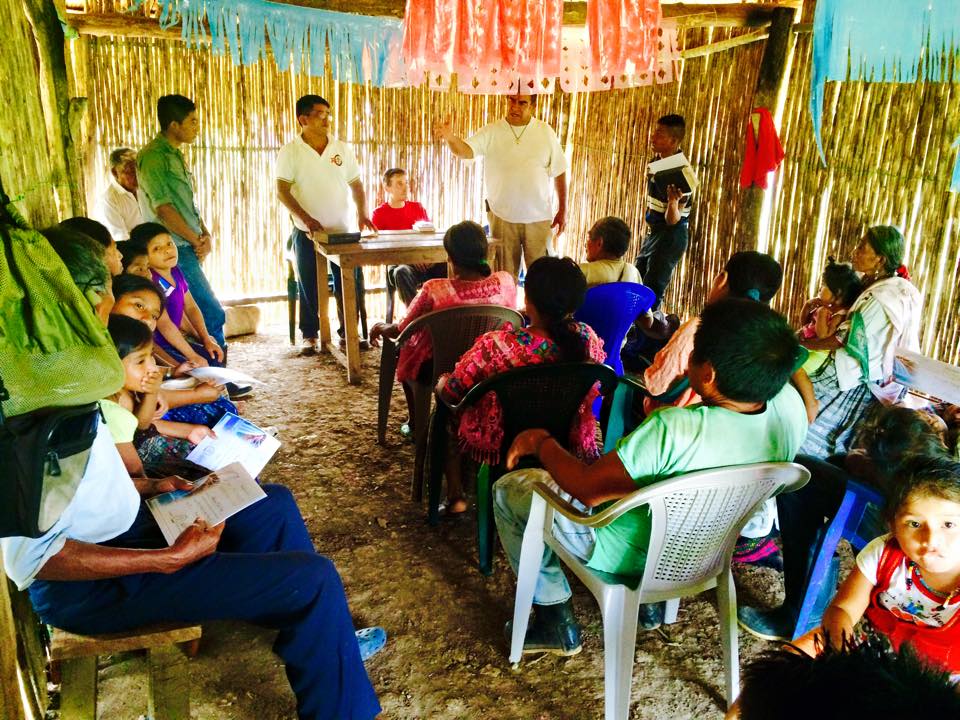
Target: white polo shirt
column 320, row 182
column 519, row 165
column 119, row 210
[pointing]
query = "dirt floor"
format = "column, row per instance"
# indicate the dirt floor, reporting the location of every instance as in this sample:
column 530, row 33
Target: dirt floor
column 446, row 656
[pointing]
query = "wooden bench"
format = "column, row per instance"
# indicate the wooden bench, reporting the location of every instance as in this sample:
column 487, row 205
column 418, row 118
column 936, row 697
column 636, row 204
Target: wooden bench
column 74, row 658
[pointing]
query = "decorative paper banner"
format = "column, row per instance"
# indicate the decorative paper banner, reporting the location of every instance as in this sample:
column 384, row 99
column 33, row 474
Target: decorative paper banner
column 623, row 36
column 575, row 74
column 360, row 45
column 516, row 37
column 879, row 41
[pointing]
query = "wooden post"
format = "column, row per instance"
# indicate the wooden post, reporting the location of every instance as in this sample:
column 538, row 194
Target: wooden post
column 11, row 706
column 169, row 682
column 78, row 688
column 62, row 120
column 773, row 75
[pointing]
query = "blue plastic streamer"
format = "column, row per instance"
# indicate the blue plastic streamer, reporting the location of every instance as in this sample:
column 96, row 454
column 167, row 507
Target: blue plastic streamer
column 298, row 36
column 955, row 181
column 880, row 41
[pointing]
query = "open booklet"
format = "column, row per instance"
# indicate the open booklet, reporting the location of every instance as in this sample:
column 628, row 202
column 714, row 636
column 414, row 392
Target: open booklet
column 222, row 375
column 214, row 497
column 237, row 440
column 673, row 170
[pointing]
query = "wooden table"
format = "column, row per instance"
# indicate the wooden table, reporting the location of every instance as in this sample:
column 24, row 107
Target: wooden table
column 386, row 248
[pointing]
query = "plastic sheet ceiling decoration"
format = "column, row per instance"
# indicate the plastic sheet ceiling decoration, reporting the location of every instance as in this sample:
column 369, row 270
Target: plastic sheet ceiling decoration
column 360, row 45
column 448, row 41
column 880, row 41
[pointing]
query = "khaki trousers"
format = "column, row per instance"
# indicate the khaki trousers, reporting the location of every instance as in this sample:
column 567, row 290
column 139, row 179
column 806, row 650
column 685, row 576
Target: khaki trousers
column 532, row 238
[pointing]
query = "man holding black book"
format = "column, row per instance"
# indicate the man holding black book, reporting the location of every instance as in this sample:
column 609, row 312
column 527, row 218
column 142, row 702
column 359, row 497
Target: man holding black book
column 668, row 210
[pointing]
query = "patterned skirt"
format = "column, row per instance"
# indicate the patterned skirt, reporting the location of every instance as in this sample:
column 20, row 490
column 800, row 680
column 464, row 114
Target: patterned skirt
column 840, row 411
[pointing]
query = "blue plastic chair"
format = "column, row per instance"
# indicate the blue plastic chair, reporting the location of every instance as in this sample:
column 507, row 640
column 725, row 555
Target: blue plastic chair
column 845, row 525
column 610, row 310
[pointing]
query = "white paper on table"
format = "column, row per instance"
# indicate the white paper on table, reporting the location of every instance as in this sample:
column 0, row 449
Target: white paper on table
column 222, row 375
column 214, row 498
column 237, row 440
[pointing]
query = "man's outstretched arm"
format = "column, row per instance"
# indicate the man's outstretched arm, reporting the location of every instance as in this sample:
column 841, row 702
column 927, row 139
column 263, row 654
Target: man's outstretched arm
column 604, row 480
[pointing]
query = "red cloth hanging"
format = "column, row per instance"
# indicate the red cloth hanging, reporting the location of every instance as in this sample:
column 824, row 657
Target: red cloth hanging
column 763, row 152
column 623, row 35
column 518, row 37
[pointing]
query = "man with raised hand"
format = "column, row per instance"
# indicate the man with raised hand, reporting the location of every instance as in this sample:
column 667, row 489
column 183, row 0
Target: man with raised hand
column 522, row 155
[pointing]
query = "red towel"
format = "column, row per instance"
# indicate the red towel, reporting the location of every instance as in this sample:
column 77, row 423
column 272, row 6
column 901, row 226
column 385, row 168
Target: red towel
column 763, row 153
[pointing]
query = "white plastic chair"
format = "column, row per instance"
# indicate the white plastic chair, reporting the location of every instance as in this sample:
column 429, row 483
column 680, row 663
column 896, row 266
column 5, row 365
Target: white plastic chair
column 695, row 520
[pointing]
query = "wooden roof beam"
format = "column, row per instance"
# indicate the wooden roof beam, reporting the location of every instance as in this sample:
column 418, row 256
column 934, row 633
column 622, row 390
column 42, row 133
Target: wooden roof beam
column 687, row 15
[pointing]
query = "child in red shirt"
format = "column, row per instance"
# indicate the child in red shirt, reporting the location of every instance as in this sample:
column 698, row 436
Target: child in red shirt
column 399, row 213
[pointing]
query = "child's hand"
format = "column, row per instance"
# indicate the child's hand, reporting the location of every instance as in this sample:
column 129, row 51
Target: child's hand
column 210, row 345
column 150, row 382
column 171, row 483
column 200, row 432
column 183, row 368
column 207, row 392
column 197, row 361
column 162, row 407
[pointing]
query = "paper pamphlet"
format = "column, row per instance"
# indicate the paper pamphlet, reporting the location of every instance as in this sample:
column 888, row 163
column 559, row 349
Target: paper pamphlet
column 214, row 498
column 237, row 440
column 926, row 376
column 222, row 375
column 674, row 170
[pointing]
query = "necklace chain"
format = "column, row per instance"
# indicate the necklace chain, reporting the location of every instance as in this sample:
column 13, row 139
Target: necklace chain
column 516, row 138
column 947, row 597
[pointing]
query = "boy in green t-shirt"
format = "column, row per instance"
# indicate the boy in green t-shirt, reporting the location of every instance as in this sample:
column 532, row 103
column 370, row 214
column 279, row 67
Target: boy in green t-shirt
column 743, row 356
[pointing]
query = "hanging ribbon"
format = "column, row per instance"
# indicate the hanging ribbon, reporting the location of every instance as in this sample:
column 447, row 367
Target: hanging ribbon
column 576, row 74
column 880, row 41
column 360, row 45
column 623, row 36
column 519, row 39
column 955, row 180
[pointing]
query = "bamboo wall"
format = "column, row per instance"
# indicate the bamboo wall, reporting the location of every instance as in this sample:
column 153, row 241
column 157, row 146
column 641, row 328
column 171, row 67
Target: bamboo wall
column 887, row 145
column 27, row 170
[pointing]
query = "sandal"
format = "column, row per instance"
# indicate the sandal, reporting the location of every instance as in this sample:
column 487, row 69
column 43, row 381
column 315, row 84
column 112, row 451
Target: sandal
column 371, row 641
column 447, row 511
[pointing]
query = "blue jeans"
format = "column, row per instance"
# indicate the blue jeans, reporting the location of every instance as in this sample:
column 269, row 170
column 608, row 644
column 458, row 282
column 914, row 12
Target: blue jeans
column 306, row 256
column 511, row 508
column 265, row 571
column 213, row 316
column 660, row 253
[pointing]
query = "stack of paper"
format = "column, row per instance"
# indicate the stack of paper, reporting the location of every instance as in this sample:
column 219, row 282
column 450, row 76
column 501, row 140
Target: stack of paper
column 423, row 226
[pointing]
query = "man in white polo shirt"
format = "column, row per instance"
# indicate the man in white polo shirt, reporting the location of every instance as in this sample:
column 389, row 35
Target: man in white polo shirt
column 522, row 155
column 316, row 173
column 119, row 208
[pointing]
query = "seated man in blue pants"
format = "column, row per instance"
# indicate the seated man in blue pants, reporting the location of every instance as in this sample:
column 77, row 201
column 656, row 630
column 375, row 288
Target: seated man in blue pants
column 743, row 356
column 104, row 567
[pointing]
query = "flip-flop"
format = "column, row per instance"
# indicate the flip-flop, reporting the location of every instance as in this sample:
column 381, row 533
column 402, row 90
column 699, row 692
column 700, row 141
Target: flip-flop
column 371, row 641
column 445, row 511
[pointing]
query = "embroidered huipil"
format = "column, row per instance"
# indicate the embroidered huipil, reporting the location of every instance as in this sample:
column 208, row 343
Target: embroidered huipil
column 481, row 426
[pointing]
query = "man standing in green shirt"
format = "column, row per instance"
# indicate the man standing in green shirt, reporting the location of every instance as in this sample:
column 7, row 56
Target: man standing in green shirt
column 166, row 196
column 743, row 356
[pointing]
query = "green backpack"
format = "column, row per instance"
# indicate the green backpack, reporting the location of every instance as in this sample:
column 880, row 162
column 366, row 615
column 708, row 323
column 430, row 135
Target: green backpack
column 54, row 351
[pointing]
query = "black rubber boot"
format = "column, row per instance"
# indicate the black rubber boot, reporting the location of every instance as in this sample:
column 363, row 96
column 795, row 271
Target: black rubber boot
column 553, row 629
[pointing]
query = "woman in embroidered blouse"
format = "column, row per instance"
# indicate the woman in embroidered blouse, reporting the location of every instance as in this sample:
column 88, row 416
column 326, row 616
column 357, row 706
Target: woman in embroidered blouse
column 554, row 289
column 859, row 369
column 469, row 281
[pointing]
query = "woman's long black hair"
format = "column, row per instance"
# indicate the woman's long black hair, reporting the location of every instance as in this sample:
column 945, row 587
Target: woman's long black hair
column 556, row 288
